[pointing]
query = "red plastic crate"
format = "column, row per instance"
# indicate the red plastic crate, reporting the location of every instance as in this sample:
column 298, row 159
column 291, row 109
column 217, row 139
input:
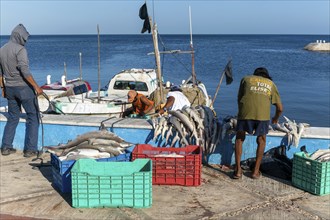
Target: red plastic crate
column 172, row 166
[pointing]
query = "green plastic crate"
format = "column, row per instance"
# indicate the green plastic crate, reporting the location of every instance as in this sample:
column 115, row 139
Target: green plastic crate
column 112, row 184
column 311, row 175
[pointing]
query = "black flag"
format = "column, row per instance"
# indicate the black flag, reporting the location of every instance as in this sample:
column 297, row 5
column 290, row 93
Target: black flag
column 143, row 14
column 229, row 73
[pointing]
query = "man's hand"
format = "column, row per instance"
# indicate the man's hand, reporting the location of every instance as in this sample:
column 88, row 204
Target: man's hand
column 274, row 120
column 39, row 91
column 161, row 111
column 278, row 112
column 3, row 92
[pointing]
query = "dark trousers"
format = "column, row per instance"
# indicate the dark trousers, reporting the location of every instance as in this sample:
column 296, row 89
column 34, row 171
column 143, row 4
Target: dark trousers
column 17, row 97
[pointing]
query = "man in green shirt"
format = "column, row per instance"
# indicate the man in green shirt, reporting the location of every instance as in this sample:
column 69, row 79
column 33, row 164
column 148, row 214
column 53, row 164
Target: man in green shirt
column 256, row 94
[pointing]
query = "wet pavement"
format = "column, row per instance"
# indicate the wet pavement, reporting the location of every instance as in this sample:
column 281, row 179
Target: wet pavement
column 27, row 193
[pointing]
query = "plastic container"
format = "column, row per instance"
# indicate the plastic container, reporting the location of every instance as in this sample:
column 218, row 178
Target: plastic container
column 64, row 166
column 61, row 169
column 172, row 166
column 111, row 184
column 311, row 175
column 62, row 182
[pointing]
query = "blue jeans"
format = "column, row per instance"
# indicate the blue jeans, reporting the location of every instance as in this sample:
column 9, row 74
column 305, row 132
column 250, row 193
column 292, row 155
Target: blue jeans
column 17, row 97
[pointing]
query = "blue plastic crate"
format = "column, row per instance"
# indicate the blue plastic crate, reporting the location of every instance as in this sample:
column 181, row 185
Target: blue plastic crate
column 64, row 167
column 62, row 182
column 61, row 166
column 61, row 170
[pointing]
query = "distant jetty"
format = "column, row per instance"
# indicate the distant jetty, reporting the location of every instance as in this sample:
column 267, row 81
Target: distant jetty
column 319, row 45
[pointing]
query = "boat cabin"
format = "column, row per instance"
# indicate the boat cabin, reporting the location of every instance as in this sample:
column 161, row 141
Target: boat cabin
column 144, row 81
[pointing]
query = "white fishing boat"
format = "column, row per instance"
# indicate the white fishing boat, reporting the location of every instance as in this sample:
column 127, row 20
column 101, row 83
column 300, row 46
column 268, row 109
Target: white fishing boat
column 113, row 99
column 71, row 89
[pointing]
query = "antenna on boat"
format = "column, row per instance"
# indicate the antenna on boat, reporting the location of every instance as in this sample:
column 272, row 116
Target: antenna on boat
column 65, row 71
column 80, row 68
column 80, row 61
column 99, row 63
column 192, row 51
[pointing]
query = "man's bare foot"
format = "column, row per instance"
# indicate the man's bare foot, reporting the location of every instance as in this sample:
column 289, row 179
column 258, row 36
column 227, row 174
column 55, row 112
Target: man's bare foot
column 256, row 175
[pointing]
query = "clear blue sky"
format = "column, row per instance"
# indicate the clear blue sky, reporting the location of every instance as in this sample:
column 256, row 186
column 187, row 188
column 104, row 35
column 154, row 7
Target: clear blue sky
column 172, row 17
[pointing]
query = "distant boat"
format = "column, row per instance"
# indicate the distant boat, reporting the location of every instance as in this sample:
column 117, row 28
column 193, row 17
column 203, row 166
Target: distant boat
column 319, row 45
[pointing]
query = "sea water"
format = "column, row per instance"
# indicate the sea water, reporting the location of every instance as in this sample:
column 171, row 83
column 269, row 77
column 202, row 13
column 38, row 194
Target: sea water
column 302, row 76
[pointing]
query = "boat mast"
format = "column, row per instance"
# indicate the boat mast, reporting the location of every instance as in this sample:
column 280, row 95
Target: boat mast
column 80, row 69
column 193, row 74
column 99, row 64
column 157, row 56
column 65, row 75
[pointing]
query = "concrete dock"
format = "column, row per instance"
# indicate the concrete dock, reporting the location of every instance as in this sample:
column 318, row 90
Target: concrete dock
column 27, row 193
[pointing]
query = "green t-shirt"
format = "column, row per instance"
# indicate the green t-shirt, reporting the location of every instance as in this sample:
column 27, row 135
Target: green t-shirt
column 255, row 96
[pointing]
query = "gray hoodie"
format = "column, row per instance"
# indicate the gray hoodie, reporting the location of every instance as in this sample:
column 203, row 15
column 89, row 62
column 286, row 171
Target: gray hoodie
column 14, row 62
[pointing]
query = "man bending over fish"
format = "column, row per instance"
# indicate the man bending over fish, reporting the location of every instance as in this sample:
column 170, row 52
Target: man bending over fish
column 141, row 105
column 176, row 100
column 255, row 95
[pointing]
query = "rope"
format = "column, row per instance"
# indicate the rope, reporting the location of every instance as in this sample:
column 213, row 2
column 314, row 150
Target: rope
column 42, row 132
column 51, row 103
column 175, row 56
column 42, row 125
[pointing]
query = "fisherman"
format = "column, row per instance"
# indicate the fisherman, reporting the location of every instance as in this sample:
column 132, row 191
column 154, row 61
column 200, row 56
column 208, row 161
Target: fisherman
column 141, row 105
column 176, row 100
column 20, row 89
column 255, row 95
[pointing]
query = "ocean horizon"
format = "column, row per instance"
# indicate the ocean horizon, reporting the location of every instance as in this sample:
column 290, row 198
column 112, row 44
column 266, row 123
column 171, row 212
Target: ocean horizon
column 302, row 77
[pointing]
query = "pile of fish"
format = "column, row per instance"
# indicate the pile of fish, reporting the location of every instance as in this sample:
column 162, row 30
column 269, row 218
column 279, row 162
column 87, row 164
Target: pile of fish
column 228, row 126
column 94, row 144
column 293, row 130
column 189, row 126
column 321, row 155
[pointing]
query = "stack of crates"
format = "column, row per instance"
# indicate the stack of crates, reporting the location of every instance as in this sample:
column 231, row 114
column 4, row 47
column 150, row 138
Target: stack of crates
column 111, row 184
column 311, row 175
column 172, row 166
column 61, row 170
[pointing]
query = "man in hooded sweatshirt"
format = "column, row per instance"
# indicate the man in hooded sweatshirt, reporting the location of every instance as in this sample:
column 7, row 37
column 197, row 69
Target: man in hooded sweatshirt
column 20, row 89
